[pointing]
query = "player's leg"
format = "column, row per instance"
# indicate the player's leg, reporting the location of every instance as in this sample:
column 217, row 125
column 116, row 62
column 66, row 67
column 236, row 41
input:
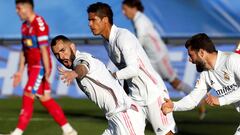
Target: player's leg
column 54, row 109
column 25, row 113
column 162, row 124
column 166, row 71
column 27, row 101
column 129, row 122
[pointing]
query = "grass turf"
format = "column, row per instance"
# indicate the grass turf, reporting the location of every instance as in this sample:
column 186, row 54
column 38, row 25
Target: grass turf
column 87, row 119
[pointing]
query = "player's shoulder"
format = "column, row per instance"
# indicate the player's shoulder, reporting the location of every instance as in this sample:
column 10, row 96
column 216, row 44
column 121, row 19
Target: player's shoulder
column 124, row 33
column 39, row 21
column 83, row 56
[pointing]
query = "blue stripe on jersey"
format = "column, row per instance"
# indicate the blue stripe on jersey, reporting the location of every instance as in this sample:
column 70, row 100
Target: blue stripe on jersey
column 38, row 81
column 30, row 41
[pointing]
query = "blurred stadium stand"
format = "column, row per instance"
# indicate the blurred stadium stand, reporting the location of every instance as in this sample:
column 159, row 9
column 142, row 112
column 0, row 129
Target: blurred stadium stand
column 176, row 20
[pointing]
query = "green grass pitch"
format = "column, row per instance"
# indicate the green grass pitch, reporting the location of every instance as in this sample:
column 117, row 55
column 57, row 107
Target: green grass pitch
column 87, row 119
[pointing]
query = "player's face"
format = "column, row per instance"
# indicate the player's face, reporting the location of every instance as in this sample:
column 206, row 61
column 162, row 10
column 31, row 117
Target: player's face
column 128, row 11
column 22, row 9
column 196, row 59
column 96, row 24
column 64, row 54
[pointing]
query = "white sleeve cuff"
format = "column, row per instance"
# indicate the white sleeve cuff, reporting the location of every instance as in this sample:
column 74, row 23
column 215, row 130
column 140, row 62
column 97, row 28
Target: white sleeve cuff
column 222, row 101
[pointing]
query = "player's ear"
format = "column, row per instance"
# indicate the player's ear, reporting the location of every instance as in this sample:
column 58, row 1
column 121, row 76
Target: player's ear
column 105, row 19
column 73, row 47
column 202, row 52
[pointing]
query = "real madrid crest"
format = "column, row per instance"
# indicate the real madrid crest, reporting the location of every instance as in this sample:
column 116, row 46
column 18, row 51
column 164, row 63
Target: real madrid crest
column 226, row 76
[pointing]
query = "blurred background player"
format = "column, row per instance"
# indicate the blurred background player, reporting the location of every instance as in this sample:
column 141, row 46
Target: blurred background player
column 237, row 50
column 36, row 54
column 123, row 115
column 145, row 85
column 154, row 46
column 219, row 72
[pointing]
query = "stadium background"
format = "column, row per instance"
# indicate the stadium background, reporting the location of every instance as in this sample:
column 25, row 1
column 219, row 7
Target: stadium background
column 176, row 20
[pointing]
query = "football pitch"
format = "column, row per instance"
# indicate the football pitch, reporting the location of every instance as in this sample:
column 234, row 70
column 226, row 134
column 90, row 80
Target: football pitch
column 87, row 119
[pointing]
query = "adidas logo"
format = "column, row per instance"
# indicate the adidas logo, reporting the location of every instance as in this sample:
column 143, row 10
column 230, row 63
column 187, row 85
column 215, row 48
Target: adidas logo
column 159, row 130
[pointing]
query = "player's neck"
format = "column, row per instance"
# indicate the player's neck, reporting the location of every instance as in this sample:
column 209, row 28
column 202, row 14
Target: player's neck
column 212, row 59
column 106, row 33
column 31, row 17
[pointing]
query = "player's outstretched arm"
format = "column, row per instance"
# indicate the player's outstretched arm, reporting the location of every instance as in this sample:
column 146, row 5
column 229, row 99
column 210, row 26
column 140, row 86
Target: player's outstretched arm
column 167, row 107
column 212, row 100
column 67, row 76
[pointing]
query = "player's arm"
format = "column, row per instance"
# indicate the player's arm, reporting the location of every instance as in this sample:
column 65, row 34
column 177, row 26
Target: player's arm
column 18, row 75
column 192, row 99
column 235, row 95
column 125, row 42
column 68, row 76
column 46, row 60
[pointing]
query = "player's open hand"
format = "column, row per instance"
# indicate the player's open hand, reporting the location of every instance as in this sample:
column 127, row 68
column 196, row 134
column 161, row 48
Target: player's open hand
column 67, row 76
column 212, row 100
column 167, row 107
column 16, row 79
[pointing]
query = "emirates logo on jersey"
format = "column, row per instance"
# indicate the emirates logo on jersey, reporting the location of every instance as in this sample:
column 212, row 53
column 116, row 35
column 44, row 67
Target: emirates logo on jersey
column 226, row 76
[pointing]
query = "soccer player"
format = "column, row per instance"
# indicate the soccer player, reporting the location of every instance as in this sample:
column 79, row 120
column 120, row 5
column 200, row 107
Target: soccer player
column 237, row 50
column 98, row 84
column 145, row 85
column 36, row 54
column 154, row 47
column 219, row 71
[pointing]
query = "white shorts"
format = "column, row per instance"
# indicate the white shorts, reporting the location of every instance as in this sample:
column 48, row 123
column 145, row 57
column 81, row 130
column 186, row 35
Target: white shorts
column 238, row 131
column 165, row 69
column 129, row 122
column 161, row 123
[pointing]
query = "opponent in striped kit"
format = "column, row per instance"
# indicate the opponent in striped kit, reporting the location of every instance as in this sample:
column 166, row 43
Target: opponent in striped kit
column 93, row 78
column 36, row 54
column 145, row 85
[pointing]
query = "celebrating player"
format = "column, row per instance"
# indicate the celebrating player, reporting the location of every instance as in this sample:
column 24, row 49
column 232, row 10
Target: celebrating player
column 123, row 115
column 36, row 54
column 145, row 85
column 219, row 71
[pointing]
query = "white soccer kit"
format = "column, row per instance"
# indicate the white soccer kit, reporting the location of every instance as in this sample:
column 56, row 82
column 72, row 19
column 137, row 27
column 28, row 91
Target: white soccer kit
column 107, row 93
column 145, row 85
column 154, row 46
column 224, row 79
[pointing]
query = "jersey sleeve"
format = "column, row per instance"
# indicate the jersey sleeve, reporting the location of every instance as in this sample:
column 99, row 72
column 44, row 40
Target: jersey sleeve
column 42, row 31
column 193, row 99
column 82, row 60
column 235, row 68
column 126, row 43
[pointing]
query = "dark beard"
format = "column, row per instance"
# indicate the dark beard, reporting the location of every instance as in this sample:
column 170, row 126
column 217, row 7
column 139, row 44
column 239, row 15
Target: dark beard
column 200, row 66
column 72, row 58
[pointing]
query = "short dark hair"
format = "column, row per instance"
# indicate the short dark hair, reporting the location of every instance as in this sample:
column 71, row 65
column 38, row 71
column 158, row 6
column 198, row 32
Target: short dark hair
column 102, row 10
column 134, row 3
column 201, row 41
column 62, row 38
column 26, row 1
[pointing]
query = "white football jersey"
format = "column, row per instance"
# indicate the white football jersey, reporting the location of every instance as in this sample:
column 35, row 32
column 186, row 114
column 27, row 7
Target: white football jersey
column 149, row 37
column 224, row 79
column 134, row 66
column 100, row 86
